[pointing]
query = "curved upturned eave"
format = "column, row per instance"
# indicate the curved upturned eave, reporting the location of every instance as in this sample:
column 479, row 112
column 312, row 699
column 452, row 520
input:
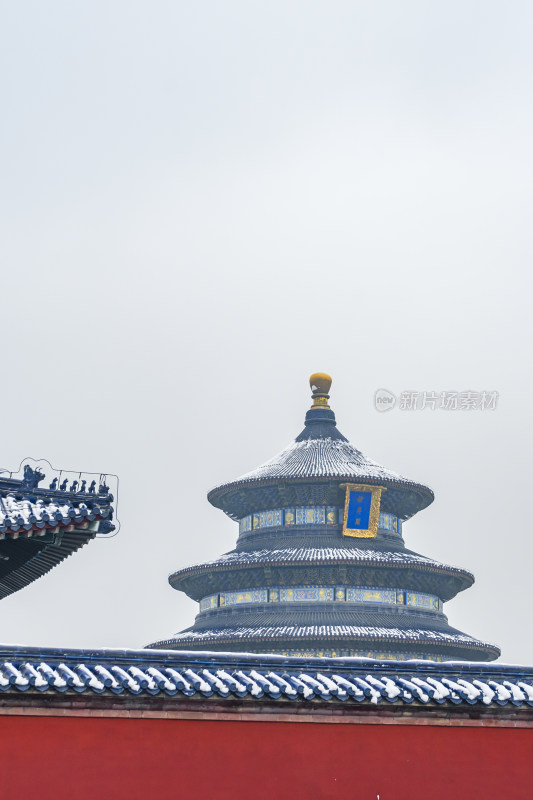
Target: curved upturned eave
column 463, row 578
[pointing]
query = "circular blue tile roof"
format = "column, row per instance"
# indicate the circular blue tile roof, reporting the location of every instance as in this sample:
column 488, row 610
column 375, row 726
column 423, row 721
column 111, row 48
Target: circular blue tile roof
column 319, row 454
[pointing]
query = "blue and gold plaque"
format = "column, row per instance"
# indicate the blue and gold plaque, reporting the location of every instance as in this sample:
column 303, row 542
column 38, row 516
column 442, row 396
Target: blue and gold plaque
column 361, row 510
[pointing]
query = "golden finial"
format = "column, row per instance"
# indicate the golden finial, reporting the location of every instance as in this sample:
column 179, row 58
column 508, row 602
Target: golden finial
column 320, row 384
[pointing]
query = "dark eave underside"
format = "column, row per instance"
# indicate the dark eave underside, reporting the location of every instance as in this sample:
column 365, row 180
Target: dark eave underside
column 23, row 560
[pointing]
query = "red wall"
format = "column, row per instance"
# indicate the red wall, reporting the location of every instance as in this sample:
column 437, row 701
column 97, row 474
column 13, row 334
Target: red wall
column 109, row 758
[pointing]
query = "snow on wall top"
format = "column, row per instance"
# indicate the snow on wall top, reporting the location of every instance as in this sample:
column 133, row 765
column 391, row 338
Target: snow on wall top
column 24, row 671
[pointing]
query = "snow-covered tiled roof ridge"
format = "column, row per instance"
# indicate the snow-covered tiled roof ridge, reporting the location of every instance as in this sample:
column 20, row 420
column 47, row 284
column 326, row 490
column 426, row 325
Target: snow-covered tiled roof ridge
column 238, row 676
column 27, row 514
column 320, row 555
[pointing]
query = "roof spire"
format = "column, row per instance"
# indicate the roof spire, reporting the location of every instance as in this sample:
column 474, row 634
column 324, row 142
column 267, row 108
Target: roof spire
column 320, row 384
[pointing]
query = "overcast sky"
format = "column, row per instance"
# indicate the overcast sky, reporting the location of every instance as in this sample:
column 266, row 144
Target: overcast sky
column 203, row 203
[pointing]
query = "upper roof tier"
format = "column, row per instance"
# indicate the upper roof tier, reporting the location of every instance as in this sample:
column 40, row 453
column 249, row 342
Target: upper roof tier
column 313, row 467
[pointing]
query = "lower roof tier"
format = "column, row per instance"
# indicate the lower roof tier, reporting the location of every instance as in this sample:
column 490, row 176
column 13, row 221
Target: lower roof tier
column 339, row 633
column 300, row 563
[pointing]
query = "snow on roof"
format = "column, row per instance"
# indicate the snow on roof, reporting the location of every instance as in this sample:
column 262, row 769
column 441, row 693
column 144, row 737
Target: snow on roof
column 329, row 631
column 29, row 515
column 322, row 554
column 321, row 458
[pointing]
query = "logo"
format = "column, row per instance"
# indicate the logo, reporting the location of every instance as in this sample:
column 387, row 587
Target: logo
column 384, row 400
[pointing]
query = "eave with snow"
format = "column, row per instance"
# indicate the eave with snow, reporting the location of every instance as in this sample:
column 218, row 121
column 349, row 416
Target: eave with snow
column 40, row 527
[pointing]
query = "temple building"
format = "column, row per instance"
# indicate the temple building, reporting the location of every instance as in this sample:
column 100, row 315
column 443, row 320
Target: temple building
column 41, row 526
column 320, row 567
